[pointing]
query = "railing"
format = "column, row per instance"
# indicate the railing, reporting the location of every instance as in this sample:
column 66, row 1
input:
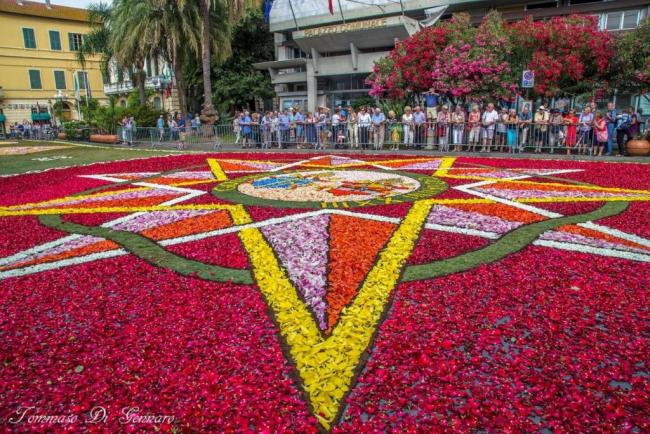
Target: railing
column 444, row 137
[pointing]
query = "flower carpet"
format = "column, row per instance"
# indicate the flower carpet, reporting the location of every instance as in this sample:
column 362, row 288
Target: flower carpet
column 284, row 292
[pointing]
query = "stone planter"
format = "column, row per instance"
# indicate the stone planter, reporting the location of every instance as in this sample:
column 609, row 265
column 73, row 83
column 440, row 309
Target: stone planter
column 638, row 148
column 61, row 136
column 103, row 138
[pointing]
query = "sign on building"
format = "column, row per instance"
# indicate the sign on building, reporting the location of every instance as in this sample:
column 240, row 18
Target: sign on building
column 528, row 79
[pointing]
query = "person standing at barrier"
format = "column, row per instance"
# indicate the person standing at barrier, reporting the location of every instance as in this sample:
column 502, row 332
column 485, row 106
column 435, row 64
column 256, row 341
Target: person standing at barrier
column 173, row 129
column 585, row 131
column 489, row 122
column 353, row 128
column 474, row 126
column 512, row 123
column 554, row 129
column 378, row 120
column 266, row 124
column 420, row 122
column 635, row 125
column 525, row 120
column 300, row 128
column 610, row 118
column 600, row 127
column 181, row 125
column 393, row 128
column 246, row 130
column 336, row 121
column 160, row 124
column 442, row 128
column 310, row 130
column 501, row 130
column 623, row 130
column 292, row 125
column 236, row 127
column 571, row 121
column 255, row 130
column 321, row 123
column 364, row 125
column 541, row 128
column 407, row 124
column 458, row 127
column 284, row 126
column 431, row 99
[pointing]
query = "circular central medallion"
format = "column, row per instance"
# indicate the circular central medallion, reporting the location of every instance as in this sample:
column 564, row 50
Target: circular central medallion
column 329, row 186
column 325, row 188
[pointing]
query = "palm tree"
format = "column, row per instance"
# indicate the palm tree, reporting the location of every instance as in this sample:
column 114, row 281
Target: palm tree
column 126, row 42
column 216, row 18
column 96, row 42
column 162, row 26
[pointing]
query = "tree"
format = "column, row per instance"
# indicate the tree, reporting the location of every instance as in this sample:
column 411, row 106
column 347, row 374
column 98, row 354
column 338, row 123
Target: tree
column 96, row 42
column 453, row 58
column 237, row 82
column 632, row 63
column 475, row 63
column 569, row 55
column 126, row 41
column 215, row 42
column 163, row 27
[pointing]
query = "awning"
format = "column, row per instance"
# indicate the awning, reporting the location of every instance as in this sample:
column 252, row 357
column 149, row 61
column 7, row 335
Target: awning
column 40, row 116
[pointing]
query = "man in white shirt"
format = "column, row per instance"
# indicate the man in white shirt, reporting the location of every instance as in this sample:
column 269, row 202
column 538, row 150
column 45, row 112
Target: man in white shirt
column 489, row 121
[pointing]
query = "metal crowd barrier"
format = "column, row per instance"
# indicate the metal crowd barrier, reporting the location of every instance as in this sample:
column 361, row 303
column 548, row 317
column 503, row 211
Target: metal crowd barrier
column 439, row 136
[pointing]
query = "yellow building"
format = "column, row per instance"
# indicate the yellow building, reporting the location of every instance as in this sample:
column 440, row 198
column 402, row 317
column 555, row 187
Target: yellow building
column 38, row 67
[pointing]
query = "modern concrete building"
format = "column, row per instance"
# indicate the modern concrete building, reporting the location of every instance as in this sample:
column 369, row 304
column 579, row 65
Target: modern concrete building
column 323, row 58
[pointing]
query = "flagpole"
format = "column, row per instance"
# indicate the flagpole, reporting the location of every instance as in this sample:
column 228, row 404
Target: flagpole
column 294, row 15
column 341, row 10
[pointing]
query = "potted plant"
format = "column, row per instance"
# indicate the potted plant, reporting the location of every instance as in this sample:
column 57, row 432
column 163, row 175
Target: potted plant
column 640, row 145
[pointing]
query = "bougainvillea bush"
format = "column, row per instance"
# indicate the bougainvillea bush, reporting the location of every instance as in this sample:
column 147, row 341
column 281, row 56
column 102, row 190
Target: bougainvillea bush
column 293, row 293
column 568, row 54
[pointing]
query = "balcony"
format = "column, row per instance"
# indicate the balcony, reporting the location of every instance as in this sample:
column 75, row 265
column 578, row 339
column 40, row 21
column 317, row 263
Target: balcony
column 127, row 86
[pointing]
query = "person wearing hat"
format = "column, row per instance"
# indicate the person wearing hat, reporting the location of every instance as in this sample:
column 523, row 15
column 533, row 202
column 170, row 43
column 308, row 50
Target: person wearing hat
column 540, row 129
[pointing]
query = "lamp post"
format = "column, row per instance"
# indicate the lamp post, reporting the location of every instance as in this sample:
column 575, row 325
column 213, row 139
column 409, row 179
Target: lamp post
column 59, row 96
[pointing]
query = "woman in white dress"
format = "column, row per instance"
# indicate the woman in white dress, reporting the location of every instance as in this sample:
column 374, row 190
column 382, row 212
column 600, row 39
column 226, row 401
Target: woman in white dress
column 407, row 122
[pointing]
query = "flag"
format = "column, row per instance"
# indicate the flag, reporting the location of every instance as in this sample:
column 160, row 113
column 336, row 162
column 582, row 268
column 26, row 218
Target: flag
column 267, row 10
column 77, row 96
column 331, row 4
column 88, row 93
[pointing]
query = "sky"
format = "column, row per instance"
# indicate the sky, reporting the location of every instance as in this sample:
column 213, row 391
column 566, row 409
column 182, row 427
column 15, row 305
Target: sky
column 75, row 3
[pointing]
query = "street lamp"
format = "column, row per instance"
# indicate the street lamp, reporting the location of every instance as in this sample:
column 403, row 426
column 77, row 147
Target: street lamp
column 59, row 96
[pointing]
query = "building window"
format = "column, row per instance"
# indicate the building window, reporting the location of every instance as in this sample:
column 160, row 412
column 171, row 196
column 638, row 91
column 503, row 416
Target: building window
column 622, row 20
column 81, row 79
column 157, row 103
column 59, row 79
column 74, row 41
column 123, row 103
column 55, row 40
column 35, row 79
column 30, row 38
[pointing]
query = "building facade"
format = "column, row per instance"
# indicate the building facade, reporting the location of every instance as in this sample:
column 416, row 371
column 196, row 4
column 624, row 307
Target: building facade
column 159, row 84
column 38, row 66
column 323, row 58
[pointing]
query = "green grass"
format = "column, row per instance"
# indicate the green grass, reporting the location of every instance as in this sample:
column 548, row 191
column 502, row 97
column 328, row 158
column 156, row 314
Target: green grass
column 77, row 155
